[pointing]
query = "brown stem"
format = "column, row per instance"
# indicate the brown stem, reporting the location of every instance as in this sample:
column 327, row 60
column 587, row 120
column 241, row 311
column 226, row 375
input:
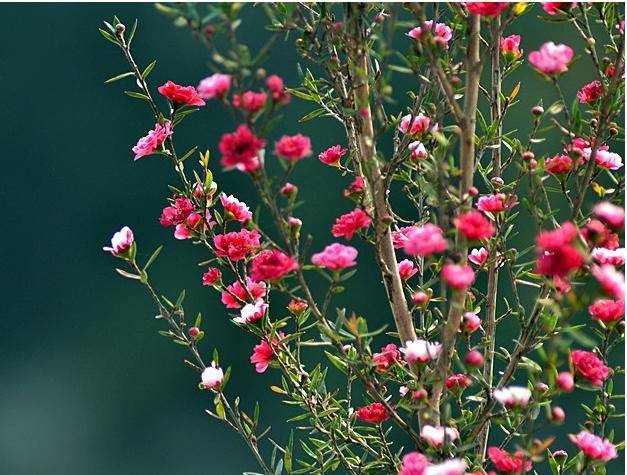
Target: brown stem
column 493, row 270
column 369, row 169
column 467, row 158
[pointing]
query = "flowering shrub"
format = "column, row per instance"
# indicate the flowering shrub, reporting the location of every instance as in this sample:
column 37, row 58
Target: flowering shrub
column 442, row 379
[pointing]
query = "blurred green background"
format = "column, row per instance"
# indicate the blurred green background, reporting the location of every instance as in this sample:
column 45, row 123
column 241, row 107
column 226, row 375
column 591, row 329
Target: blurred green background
column 87, row 384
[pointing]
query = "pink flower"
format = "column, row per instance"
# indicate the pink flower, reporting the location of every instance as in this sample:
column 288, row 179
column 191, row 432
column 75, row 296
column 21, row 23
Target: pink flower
column 235, row 294
column 216, row 85
column 558, row 164
column 348, row 224
column 604, row 158
column 478, row 256
column 486, row 8
column 419, row 126
column 438, row 435
column 602, row 255
column 459, row 277
column 375, row 413
column 514, row 464
column 387, row 357
column 236, row 245
column 399, row 236
column 235, row 209
column 335, row 257
column 187, row 230
column 121, row 242
column 558, row 414
column 594, row 447
column 553, row 8
column 589, row 366
column 241, row 150
column 151, row 142
column 252, row 312
column 406, row 269
column 250, row 101
column 552, row 58
column 597, row 234
column 471, row 322
column 474, row 226
column 177, row 213
column 420, row 351
column 414, row 463
column 212, row 276
column 492, row 203
column 263, row 353
column 510, row 47
column 457, row 382
column 271, row 265
column 277, row 89
column 513, row 396
column 293, row 148
column 424, row 240
column 289, row 189
column 332, row 155
column 607, row 310
column 565, row 381
column 417, row 150
column 212, row 376
column 612, row 281
column 448, row 467
column 590, row 92
column 355, row 188
column 184, row 95
column 556, row 254
column 611, row 214
column 441, row 33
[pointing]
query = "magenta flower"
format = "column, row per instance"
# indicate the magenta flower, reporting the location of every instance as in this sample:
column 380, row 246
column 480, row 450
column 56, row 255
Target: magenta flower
column 293, row 148
column 553, row 8
column 348, row 224
column 510, row 47
column 235, row 209
column 121, row 242
column 332, row 155
column 241, row 150
column 235, row 294
column 441, row 33
column 216, row 85
column 406, row 269
column 182, row 95
column 424, row 240
column 589, row 366
column 335, row 257
column 459, row 277
column 151, row 142
column 478, row 256
column 611, row 214
column 594, row 447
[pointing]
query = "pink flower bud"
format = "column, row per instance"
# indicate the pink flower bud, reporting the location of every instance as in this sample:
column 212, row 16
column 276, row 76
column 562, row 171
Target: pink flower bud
column 565, row 381
column 497, row 180
column 542, row 387
column 474, row 358
column 560, row 456
column 527, row 155
column 473, row 191
column 420, row 298
column 289, row 189
column 471, row 322
column 533, row 163
column 193, row 332
column 537, row 110
column 558, row 414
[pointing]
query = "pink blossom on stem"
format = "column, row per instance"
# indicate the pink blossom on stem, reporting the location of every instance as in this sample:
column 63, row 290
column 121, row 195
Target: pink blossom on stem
column 348, row 224
column 386, row 358
column 216, row 85
column 423, row 240
column 271, row 265
column 441, row 33
column 615, row 257
column 421, row 351
column 293, row 148
column 607, row 310
column 250, row 101
column 212, row 376
column 565, row 381
column 332, row 155
column 121, row 242
column 335, row 256
column 406, row 269
column 236, row 245
column 235, row 294
column 252, row 312
column 589, row 366
column 417, row 150
column 594, row 447
column 553, row 8
column 459, row 277
column 510, row 47
column 611, row 214
column 474, row 226
column 151, row 142
column 490, row 9
column 235, row 209
column 183, row 95
column 551, row 58
column 611, row 280
column 471, row 322
column 241, row 149
column 513, row 396
column 437, row 436
column 212, row 276
column 478, row 256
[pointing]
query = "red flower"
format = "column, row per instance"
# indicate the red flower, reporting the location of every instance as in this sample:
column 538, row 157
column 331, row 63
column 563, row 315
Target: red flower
column 250, row 101
column 332, row 155
column 598, row 235
column 293, row 148
column 558, row 164
column 387, row 357
column 277, row 89
column 474, row 225
column 212, row 275
column 235, row 294
column 356, row 187
column 515, row 464
column 177, row 213
column 271, row 265
column 589, row 366
column 264, row 353
column 241, row 149
column 236, row 245
column 458, row 381
column 374, row 413
column 590, row 92
column 556, row 255
column 553, row 8
column 186, row 95
column 486, row 8
column 348, row 224
column 607, row 310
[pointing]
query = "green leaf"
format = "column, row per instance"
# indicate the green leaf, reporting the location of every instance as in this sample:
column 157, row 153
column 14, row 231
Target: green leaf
column 119, row 76
column 152, row 258
column 137, row 95
column 148, row 69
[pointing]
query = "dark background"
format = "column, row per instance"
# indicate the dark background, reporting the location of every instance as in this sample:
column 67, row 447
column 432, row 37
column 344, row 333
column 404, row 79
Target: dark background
column 87, row 384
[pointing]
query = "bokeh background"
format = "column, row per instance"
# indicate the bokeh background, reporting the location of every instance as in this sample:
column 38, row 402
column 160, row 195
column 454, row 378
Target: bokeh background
column 87, row 384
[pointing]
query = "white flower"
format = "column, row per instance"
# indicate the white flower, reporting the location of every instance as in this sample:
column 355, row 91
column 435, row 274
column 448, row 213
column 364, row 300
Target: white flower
column 513, row 396
column 421, row 351
column 212, row 376
column 450, row 467
column 251, row 312
column 437, row 435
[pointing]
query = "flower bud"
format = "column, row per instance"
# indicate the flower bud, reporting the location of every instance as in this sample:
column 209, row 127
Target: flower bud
column 537, row 110
column 120, row 28
column 497, row 181
column 337, row 26
column 613, row 131
column 473, row 191
column 209, row 30
column 533, row 163
column 288, row 189
column 557, row 414
column 560, row 456
column 527, row 155
column 474, row 358
column 297, row 306
column 420, row 298
column 542, row 387
column 193, row 332
column 565, row 381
